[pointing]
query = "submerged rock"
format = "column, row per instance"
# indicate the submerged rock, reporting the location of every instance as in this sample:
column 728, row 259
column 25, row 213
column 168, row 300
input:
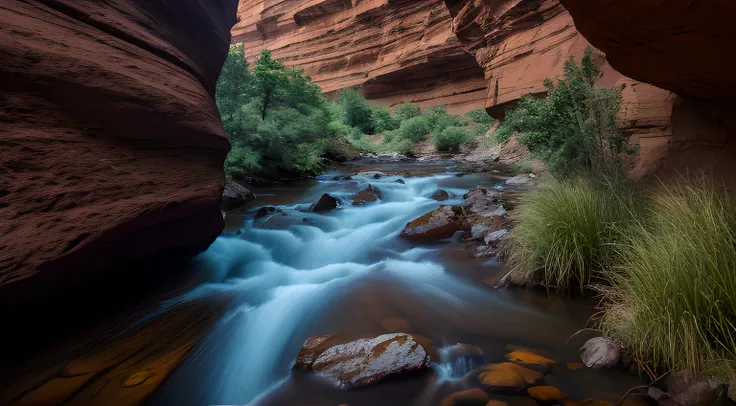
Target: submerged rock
column 235, row 195
column 440, row 195
column 369, row 360
column 267, row 210
column 325, row 203
column 367, row 195
column 546, row 393
column 599, row 353
column 475, row 396
column 528, row 357
column 400, row 181
column 440, row 223
column 507, row 376
column 342, row 177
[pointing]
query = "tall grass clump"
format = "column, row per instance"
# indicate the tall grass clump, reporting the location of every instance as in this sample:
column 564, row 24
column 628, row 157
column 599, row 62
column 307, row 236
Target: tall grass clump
column 567, row 231
column 673, row 303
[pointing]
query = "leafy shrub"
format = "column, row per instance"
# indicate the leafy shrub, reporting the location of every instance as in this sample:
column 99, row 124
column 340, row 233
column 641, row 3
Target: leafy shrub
column 439, row 119
column 480, row 116
column 383, row 120
column 242, row 161
column 567, row 230
column 407, row 111
column 358, row 112
column 450, row 139
column 574, row 128
column 673, row 301
column 415, row 128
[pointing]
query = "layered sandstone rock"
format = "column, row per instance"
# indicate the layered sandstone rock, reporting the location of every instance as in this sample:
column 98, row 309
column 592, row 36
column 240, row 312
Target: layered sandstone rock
column 683, row 46
column 399, row 50
column 112, row 147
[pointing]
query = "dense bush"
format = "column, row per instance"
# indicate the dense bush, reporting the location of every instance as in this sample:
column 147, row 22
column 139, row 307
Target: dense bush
column 407, row 111
column 451, row 138
column 383, row 120
column 673, row 301
column 415, row 128
column 358, row 112
column 573, row 129
column 480, row 116
column 567, row 230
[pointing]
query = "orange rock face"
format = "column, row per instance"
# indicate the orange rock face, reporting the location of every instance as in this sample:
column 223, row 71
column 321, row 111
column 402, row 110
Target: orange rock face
column 400, row 51
column 519, row 43
column 112, row 147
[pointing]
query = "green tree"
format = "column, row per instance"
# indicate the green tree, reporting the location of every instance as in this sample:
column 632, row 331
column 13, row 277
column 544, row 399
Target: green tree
column 357, row 110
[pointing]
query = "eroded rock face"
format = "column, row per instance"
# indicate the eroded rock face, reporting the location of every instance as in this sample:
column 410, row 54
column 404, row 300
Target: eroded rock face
column 369, row 360
column 400, row 51
column 112, row 146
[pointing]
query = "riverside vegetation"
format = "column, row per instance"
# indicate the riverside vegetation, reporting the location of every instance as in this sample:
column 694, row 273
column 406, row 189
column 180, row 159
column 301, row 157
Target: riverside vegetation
column 665, row 261
column 280, row 124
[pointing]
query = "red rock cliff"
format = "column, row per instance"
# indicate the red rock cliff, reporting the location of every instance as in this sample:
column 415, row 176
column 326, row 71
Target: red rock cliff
column 400, row 50
column 674, row 44
column 111, row 147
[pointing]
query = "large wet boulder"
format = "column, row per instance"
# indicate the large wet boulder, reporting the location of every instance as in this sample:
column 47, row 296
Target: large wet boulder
column 440, row 223
column 235, row 195
column 367, row 195
column 440, row 195
column 365, row 361
column 324, row 204
column 600, row 352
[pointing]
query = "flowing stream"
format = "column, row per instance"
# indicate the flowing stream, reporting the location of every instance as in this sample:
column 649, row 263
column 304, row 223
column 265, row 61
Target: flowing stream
column 294, row 274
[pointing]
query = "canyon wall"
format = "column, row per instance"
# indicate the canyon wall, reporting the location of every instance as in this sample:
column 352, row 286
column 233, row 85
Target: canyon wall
column 111, row 146
column 684, row 46
column 399, row 50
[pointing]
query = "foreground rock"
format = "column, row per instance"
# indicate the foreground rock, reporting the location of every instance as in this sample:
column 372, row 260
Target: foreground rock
column 367, row 195
column 324, row 204
column 600, row 353
column 362, row 362
column 235, row 195
column 438, row 224
column 481, row 200
column 518, row 180
column 112, row 143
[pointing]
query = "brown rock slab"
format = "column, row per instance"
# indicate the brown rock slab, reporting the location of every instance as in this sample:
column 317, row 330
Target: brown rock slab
column 475, row 396
column 369, row 360
column 440, row 223
column 367, row 195
column 546, row 393
column 507, row 376
column 312, row 348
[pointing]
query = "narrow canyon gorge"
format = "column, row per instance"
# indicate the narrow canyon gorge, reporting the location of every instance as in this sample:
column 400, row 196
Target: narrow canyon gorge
column 141, row 288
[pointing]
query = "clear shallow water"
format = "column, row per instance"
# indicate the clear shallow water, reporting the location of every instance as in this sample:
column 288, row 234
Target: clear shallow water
column 296, row 274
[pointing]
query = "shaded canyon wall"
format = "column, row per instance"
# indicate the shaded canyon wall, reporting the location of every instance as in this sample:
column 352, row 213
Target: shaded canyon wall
column 683, row 46
column 111, row 146
column 399, row 50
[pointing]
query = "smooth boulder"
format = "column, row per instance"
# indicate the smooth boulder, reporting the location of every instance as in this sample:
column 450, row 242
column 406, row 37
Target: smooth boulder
column 440, row 195
column 367, row 195
column 600, row 353
column 438, row 224
column 369, row 360
column 325, row 203
column 235, row 195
